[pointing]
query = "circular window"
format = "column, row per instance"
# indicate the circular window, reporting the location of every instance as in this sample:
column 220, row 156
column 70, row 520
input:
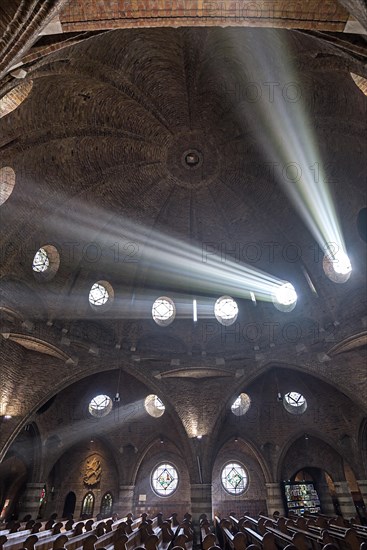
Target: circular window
column 101, row 295
column 362, row 224
column 337, row 266
column 46, row 262
column 226, row 310
column 164, row 480
column 294, row 402
column 100, row 406
column 154, row 406
column 241, row 405
column 234, row 478
column 285, row 297
column 7, row 182
column 163, row 311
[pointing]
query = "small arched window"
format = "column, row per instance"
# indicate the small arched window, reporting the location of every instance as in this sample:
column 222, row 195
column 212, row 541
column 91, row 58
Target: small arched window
column 106, row 505
column 88, row 505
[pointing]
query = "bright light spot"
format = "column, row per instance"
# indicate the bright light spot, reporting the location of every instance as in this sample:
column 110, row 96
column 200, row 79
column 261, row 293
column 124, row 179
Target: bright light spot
column 226, row 310
column 41, row 261
column 100, row 405
column 241, row 405
column 163, row 311
column 154, row 406
column 7, row 416
column 194, row 311
column 341, row 263
column 199, row 436
column 286, row 294
column 98, row 295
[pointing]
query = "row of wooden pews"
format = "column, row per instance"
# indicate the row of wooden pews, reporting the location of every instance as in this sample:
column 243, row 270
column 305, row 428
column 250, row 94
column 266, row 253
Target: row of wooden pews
column 288, row 533
column 111, row 534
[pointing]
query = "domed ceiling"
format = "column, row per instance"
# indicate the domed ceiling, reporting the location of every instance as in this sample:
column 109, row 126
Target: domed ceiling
column 141, row 155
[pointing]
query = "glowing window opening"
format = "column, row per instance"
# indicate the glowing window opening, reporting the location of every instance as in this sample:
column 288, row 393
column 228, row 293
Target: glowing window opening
column 98, row 295
column 154, row 406
column 234, row 478
column 241, row 405
column 285, row 297
column 164, row 480
column 294, row 402
column 226, row 310
column 163, row 311
column 337, row 265
column 88, row 504
column 100, row 405
column 41, row 261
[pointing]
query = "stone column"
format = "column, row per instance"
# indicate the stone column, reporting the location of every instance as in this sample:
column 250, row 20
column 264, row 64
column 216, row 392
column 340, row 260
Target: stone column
column 326, row 501
column 274, row 498
column 362, row 484
column 345, row 499
column 125, row 502
column 201, row 501
column 31, row 500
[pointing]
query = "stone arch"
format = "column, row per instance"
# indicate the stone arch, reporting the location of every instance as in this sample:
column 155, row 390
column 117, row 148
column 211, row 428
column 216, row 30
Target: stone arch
column 254, row 498
column 309, row 450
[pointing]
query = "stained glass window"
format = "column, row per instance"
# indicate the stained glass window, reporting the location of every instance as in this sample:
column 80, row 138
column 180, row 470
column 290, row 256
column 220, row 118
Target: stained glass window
column 285, row 297
column 41, row 261
column 106, row 505
column 163, row 311
column 226, row 310
column 100, row 293
column 154, row 406
column 88, row 504
column 241, row 405
column 165, row 479
column 295, row 402
column 100, row 405
column 234, row 478
column 46, row 262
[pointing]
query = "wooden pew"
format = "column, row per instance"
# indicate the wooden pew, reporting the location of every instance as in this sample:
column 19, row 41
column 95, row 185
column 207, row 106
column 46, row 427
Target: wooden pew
column 230, row 541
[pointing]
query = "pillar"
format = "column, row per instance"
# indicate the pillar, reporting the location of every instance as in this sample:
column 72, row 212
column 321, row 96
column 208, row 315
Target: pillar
column 362, row 484
column 201, row 500
column 31, row 500
column 125, row 501
column 274, row 498
column 326, row 501
column 345, row 499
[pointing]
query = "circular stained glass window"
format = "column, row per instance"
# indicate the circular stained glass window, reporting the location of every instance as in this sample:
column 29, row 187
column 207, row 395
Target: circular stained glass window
column 294, row 402
column 226, row 310
column 154, row 406
column 101, row 295
column 234, row 478
column 163, row 311
column 285, row 297
column 100, row 405
column 241, row 405
column 46, row 262
column 164, row 480
column 337, row 265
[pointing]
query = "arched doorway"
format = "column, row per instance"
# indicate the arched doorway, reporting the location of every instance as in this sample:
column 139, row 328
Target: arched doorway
column 69, row 505
column 322, row 484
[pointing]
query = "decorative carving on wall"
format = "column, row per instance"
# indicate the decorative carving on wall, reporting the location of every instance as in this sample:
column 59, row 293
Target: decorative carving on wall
column 92, row 471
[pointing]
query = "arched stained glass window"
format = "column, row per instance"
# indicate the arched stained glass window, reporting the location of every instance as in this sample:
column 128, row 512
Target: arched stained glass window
column 106, row 505
column 88, row 505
